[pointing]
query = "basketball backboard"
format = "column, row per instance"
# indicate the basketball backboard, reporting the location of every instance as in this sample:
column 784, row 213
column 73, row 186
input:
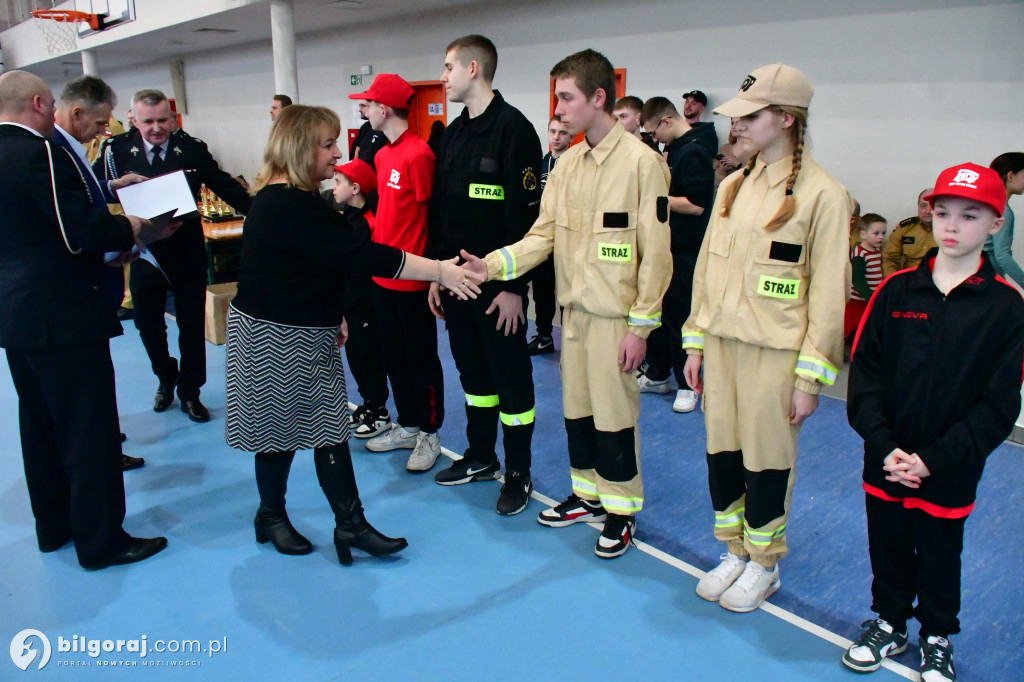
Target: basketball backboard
column 116, row 11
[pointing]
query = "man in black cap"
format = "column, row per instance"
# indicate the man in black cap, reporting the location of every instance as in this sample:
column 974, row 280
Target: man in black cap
column 694, row 103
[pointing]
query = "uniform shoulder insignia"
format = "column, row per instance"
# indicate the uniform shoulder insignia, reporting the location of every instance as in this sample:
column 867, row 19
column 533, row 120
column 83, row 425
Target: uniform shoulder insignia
column 907, row 222
column 119, row 139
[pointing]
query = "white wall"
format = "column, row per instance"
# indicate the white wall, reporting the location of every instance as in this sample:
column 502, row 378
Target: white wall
column 903, row 88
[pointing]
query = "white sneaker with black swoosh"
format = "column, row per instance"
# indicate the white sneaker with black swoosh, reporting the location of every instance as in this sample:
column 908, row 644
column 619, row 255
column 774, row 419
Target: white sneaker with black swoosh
column 466, row 470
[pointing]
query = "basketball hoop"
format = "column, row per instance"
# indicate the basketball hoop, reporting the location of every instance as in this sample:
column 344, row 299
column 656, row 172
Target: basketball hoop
column 60, row 27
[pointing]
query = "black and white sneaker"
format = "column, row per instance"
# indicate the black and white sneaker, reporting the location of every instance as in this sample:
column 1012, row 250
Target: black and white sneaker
column 541, row 345
column 466, row 470
column 369, row 421
column 616, row 537
column 573, row 510
column 876, row 642
column 515, row 493
column 937, row 659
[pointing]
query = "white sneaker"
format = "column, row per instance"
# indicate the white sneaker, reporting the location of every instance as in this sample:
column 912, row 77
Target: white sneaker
column 686, row 401
column 395, row 438
column 756, row 584
column 428, row 447
column 646, row 385
column 721, row 577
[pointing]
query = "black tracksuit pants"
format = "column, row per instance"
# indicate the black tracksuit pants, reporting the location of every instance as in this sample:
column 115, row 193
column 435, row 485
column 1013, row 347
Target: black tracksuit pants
column 497, row 377
column 363, row 347
column 408, row 340
column 915, row 554
column 665, row 354
column 542, row 278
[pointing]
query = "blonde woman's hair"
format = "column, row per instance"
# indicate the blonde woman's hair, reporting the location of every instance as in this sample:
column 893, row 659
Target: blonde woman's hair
column 291, row 149
column 797, row 132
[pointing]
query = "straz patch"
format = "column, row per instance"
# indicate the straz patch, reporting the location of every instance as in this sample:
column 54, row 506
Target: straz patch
column 493, row 192
column 773, row 287
column 617, row 253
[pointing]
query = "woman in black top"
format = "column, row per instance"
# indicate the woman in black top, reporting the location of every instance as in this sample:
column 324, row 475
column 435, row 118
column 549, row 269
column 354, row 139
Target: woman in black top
column 285, row 379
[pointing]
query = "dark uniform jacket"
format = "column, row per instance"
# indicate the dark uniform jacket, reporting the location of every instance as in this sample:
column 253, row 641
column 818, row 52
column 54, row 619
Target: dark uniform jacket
column 126, row 153
column 52, row 291
column 940, row 376
column 487, row 184
column 693, row 177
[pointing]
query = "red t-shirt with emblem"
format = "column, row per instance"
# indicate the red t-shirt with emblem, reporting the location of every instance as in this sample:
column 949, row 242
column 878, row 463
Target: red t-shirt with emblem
column 405, row 178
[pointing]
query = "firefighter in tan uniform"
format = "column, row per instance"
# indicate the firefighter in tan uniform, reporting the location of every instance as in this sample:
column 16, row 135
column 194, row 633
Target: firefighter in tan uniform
column 604, row 215
column 911, row 241
column 768, row 298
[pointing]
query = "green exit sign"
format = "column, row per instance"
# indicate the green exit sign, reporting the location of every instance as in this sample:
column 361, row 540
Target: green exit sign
column 356, row 80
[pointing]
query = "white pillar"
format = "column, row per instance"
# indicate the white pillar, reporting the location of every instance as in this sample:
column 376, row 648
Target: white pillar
column 282, row 35
column 89, row 65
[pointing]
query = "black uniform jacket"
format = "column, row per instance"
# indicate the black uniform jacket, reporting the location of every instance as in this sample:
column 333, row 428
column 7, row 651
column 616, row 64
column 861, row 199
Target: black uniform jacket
column 939, row 376
column 49, row 295
column 487, row 184
column 126, row 153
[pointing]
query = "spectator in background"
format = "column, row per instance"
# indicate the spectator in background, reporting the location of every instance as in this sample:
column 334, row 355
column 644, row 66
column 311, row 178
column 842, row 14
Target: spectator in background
column 999, row 247
column 726, row 163
column 694, row 104
column 279, row 102
column 690, row 193
column 434, row 139
column 911, row 241
column 866, row 259
column 628, row 109
column 368, row 141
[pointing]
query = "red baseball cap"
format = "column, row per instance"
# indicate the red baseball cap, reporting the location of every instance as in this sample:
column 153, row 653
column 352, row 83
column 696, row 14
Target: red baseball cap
column 389, row 89
column 360, row 173
column 971, row 181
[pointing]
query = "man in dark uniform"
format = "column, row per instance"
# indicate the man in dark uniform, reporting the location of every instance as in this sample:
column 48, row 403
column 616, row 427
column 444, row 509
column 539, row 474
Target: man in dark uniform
column 911, row 241
column 151, row 150
column 56, row 324
column 486, row 196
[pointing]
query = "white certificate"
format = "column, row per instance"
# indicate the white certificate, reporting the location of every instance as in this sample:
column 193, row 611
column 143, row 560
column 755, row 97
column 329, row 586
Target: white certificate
column 166, row 194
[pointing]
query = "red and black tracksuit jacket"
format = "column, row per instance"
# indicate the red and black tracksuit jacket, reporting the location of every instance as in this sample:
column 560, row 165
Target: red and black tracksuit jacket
column 940, row 376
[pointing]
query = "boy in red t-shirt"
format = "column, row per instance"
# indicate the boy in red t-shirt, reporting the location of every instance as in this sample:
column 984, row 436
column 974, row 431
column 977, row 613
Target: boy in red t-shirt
column 405, row 178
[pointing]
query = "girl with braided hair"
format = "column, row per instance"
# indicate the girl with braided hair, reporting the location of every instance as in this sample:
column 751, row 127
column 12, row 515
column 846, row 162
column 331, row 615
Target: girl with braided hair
column 766, row 322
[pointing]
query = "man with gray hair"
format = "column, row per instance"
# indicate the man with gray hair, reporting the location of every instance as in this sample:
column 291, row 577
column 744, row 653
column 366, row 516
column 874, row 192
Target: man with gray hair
column 150, row 150
column 56, row 326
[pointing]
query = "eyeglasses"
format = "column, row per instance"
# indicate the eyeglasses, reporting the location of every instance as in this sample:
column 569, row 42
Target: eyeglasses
column 652, row 130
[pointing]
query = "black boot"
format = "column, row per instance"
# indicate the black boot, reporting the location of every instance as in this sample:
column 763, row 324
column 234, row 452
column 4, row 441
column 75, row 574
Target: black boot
column 334, row 471
column 271, row 521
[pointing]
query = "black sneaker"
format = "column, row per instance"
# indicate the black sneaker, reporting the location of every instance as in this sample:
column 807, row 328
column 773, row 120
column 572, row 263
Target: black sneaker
column 466, row 470
column 541, row 345
column 573, row 510
column 876, row 642
column 515, row 493
column 936, row 659
column 369, row 421
column 616, row 537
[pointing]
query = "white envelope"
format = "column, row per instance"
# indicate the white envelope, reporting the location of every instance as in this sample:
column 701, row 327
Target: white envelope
column 166, row 194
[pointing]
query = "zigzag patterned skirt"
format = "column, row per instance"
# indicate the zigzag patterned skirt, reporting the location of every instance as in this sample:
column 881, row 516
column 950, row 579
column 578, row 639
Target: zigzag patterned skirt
column 285, row 386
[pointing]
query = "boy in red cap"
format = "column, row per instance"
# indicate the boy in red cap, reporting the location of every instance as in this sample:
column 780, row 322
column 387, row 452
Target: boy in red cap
column 355, row 188
column 929, row 424
column 408, row 332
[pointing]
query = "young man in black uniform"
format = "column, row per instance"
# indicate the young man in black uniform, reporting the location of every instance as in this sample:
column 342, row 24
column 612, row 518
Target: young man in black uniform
column 486, row 196
column 152, row 150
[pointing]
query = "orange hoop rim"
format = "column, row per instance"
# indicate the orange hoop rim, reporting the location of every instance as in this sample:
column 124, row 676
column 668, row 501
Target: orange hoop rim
column 68, row 16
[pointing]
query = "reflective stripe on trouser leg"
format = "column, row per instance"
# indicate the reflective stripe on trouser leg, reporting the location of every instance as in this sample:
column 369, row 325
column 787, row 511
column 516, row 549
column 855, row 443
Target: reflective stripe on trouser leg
column 748, row 395
column 728, row 497
column 619, row 484
column 581, row 434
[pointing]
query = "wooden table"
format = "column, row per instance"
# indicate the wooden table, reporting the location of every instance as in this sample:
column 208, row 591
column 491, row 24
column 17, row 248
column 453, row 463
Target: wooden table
column 225, row 238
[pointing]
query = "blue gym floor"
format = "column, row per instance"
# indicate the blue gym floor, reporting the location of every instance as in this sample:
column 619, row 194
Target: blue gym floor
column 476, row 595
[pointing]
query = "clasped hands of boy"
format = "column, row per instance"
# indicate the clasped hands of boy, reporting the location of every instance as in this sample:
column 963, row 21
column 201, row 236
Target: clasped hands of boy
column 905, row 468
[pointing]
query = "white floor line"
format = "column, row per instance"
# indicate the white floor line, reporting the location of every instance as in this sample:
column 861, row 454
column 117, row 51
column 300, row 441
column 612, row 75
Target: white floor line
column 772, row 609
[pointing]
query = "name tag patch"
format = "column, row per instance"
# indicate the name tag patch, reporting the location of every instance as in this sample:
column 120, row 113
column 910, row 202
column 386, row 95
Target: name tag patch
column 617, row 253
column 908, row 240
column 493, row 192
column 773, row 287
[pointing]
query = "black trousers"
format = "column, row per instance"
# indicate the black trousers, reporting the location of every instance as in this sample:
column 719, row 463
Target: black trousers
column 408, row 339
column 497, row 377
column 914, row 554
column 543, row 280
column 665, row 352
column 187, row 274
column 363, row 346
column 68, row 417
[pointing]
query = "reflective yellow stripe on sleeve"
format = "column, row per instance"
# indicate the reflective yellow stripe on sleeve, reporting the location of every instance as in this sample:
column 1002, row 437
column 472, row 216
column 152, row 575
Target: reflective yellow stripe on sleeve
column 508, row 264
column 644, row 320
column 693, row 340
column 481, row 400
column 816, row 370
column 521, row 419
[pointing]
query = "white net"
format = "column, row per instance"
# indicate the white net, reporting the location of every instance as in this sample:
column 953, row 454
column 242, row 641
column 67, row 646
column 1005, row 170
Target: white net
column 60, row 30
